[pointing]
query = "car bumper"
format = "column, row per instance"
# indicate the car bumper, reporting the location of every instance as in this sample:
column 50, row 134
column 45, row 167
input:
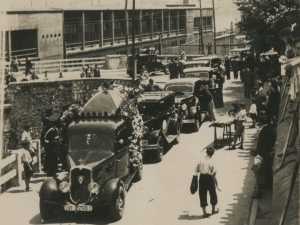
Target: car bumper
column 188, row 121
column 94, row 206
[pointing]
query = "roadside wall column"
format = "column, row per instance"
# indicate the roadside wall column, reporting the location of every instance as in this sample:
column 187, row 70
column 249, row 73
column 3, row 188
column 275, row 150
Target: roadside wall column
column 9, row 45
column 151, row 24
column 169, row 23
column 82, row 31
column 162, row 24
column 177, row 23
column 141, row 24
column 112, row 16
column 101, row 29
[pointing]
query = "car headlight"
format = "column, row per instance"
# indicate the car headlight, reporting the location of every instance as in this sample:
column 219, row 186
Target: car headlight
column 93, row 187
column 184, row 107
column 64, row 187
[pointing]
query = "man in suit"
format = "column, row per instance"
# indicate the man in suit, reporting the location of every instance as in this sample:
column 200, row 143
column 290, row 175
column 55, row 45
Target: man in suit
column 97, row 72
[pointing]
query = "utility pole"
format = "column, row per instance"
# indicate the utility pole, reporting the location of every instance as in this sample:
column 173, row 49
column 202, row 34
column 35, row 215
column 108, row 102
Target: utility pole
column 126, row 25
column 133, row 41
column 214, row 16
column 201, row 43
column 231, row 35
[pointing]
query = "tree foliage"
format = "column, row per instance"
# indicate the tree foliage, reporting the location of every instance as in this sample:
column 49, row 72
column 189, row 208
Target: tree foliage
column 257, row 18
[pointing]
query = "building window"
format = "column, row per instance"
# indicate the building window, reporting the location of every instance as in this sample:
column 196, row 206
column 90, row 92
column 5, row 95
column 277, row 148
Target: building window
column 70, row 33
column 156, row 27
column 90, row 31
column 118, row 29
column 182, row 41
column 107, row 30
column 144, row 27
column 136, row 31
column 206, row 23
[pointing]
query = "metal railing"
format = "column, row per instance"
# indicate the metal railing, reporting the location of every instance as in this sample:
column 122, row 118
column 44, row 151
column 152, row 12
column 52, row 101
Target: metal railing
column 65, row 65
column 15, row 159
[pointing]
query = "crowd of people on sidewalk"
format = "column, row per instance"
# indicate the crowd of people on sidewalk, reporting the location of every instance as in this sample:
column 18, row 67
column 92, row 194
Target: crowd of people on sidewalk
column 90, row 71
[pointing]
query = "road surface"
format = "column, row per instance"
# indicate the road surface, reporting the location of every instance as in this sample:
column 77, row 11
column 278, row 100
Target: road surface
column 163, row 196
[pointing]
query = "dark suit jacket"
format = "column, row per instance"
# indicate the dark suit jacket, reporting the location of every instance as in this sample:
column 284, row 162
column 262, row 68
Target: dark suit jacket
column 97, row 73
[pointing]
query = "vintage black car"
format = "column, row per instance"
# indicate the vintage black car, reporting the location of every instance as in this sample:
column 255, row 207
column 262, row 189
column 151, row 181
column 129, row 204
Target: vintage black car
column 98, row 157
column 162, row 124
column 187, row 105
column 211, row 61
column 205, row 73
column 147, row 63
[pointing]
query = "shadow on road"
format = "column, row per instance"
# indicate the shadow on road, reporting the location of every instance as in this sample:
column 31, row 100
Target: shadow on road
column 191, row 217
column 243, row 200
column 100, row 218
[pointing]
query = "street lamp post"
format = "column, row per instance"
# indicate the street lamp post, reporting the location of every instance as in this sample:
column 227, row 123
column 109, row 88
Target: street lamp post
column 214, row 16
column 201, row 30
column 133, row 41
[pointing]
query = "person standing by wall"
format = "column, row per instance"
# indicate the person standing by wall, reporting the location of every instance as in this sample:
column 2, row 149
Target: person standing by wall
column 28, row 66
column 26, row 137
column 207, row 182
column 97, row 72
column 246, row 79
column 27, row 163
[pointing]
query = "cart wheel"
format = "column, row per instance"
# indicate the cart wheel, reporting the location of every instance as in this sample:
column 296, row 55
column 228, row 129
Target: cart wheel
column 160, row 149
column 47, row 210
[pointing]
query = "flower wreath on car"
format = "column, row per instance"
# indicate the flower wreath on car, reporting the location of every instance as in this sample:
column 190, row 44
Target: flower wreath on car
column 131, row 114
column 73, row 112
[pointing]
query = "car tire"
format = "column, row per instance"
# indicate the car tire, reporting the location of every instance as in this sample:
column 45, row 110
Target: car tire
column 160, row 149
column 139, row 173
column 177, row 139
column 167, row 70
column 116, row 208
column 47, row 210
column 197, row 124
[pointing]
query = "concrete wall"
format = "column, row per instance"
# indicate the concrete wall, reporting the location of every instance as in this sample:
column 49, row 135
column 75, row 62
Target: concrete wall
column 47, row 23
column 223, row 45
column 29, row 98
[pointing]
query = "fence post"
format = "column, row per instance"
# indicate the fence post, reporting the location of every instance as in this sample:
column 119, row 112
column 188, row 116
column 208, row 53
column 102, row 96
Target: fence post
column 17, row 165
column 60, row 66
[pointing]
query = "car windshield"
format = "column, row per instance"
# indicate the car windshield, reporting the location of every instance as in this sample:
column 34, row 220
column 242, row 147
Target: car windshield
column 197, row 74
column 180, row 88
column 93, row 141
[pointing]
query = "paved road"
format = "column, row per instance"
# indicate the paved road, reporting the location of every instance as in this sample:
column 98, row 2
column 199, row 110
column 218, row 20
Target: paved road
column 162, row 196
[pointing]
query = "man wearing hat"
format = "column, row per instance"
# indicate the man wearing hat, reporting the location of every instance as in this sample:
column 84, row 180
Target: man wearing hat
column 51, row 140
column 46, row 113
column 27, row 163
column 207, row 182
column 241, row 119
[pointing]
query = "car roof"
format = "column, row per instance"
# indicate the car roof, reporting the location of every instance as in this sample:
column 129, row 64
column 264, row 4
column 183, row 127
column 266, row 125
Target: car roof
column 210, row 57
column 197, row 69
column 195, row 62
column 183, row 80
column 95, row 125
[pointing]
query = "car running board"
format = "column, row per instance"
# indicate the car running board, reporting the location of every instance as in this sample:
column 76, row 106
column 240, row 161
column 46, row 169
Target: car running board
column 128, row 180
column 171, row 138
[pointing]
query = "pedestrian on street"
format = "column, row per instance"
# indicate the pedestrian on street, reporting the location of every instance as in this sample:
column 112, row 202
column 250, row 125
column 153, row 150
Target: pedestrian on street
column 227, row 67
column 51, row 140
column 27, row 164
column 15, row 64
column 222, row 71
column 206, row 100
column 60, row 75
column 34, row 76
column 46, row 76
column 235, row 68
column 174, row 69
column 253, row 113
column 246, row 79
column 208, row 182
column 28, row 66
column 181, row 67
column 241, row 118
column 264, row 148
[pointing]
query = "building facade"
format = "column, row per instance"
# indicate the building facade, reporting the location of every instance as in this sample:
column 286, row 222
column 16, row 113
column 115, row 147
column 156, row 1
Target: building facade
column 53, row 33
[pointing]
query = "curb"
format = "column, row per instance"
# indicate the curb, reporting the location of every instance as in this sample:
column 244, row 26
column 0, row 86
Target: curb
column 253, row 214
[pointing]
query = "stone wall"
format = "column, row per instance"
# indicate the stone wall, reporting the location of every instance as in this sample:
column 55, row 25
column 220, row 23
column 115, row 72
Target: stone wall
column 29, row 98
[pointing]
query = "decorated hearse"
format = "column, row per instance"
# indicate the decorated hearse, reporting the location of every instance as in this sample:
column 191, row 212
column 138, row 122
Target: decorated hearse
column 102, row 165
column 162, row 124
column 187, row 105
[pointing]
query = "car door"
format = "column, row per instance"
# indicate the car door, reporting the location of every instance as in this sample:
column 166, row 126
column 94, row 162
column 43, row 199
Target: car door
column 122, row 154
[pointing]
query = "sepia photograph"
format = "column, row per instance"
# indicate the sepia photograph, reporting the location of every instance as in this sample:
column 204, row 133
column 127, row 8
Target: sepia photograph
column 149, row 112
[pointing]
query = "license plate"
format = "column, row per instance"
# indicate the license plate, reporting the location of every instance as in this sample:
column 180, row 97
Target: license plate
column 79, row 208
column 145, row 142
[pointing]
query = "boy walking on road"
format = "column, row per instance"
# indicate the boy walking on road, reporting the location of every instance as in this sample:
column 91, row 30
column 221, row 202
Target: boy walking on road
column 208, row 182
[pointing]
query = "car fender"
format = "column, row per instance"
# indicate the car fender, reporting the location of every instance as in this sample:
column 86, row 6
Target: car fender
column 110, row 190
column 152, row 139
column 49, row 190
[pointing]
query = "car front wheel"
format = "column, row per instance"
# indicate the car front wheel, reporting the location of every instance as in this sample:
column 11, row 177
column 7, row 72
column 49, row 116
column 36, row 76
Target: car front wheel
column 47, row 210
column 117, row 206
column 160, row 149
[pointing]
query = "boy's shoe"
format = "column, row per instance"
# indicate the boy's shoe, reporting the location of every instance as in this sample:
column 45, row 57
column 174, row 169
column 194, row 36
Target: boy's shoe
column 215, row 212
column 241, row 147
column 206, row 215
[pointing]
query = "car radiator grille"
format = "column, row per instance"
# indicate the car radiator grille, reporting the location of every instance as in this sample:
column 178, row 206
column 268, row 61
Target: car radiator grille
column 80, row 179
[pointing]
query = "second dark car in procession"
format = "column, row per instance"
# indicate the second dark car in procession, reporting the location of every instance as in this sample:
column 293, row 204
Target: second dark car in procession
column 102, row 165
column 162, row 124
